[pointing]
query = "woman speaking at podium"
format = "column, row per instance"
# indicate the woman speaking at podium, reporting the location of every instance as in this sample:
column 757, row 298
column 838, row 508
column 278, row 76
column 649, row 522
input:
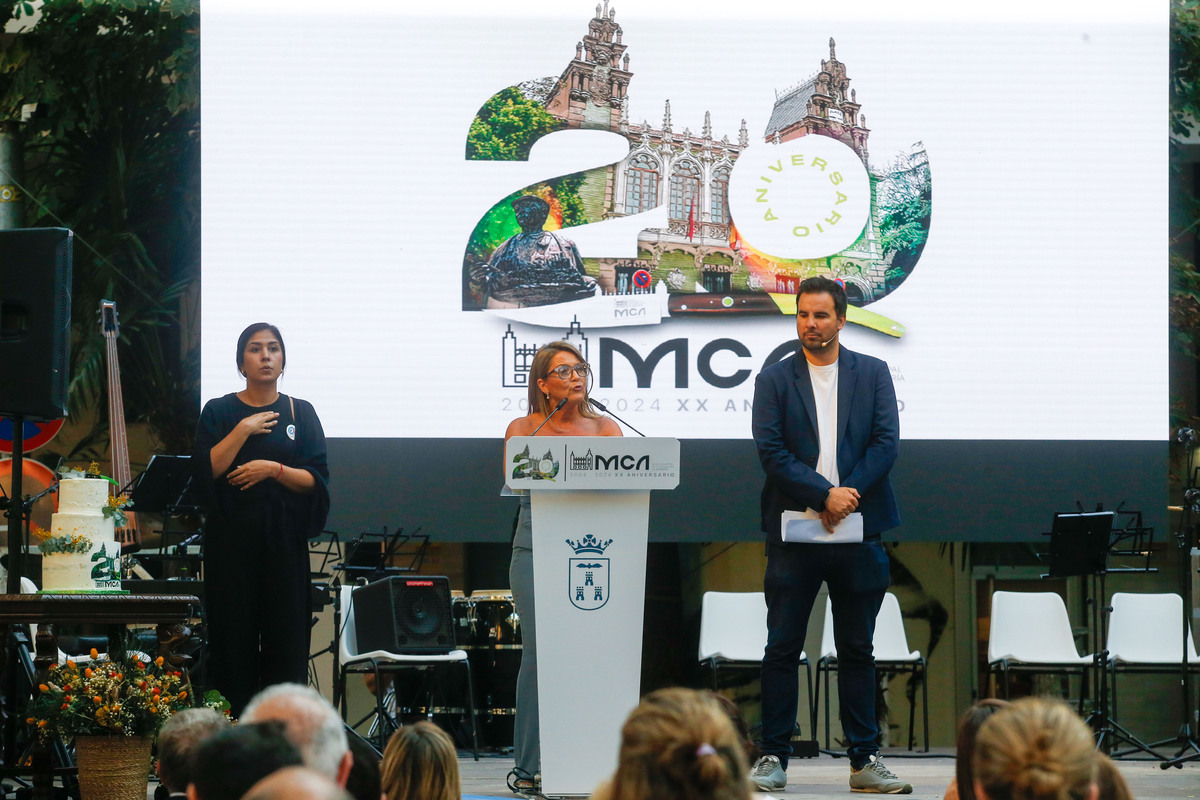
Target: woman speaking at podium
column 558, row 406
column 260, row 467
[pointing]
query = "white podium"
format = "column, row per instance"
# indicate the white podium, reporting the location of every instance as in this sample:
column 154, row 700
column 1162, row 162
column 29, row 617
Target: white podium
column 591, row 501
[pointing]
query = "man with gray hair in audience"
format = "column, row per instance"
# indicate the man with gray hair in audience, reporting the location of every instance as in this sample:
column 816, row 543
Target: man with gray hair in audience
column 313, row 725
column 178, row 739
column 296, row 783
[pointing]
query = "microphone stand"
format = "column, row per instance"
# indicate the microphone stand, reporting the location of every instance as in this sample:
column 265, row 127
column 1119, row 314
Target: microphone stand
column 602, row 407
column 1183, row 534
column 561, row 403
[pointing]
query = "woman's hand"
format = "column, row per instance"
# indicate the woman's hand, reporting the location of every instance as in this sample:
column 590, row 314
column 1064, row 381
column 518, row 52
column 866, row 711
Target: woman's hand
column 253, row 472
column 259, row 423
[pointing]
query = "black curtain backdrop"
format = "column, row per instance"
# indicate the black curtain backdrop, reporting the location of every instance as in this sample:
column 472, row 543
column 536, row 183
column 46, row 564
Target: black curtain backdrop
column 983, row 491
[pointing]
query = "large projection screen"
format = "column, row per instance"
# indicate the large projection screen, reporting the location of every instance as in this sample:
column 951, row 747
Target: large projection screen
column 990, row 184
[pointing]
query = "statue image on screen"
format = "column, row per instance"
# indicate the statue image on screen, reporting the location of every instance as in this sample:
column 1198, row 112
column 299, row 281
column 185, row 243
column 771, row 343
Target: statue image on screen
column 534, row 267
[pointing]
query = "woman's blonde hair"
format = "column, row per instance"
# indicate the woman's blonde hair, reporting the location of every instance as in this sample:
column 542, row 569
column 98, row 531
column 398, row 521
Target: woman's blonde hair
column 1036, row 749
column 540, row 370
column 678, row 744
column 419, row 763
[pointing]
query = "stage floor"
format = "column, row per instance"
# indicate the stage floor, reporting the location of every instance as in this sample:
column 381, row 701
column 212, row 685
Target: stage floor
column 826, row 776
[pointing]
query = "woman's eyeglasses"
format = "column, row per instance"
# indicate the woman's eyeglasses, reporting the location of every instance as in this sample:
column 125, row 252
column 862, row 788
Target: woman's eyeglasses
column 564, row 372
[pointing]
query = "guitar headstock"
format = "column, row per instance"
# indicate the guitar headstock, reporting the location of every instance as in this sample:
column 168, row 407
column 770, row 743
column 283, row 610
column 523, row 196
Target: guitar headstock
column 108, row 319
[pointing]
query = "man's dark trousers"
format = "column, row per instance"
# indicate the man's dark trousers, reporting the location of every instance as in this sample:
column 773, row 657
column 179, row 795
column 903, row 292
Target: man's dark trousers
column 857, row 575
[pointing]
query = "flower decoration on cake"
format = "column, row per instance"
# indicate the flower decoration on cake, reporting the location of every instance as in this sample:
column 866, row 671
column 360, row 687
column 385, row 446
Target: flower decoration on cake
column 93, row 471
column 48, row 544
column 129, row 696
column 115, row 508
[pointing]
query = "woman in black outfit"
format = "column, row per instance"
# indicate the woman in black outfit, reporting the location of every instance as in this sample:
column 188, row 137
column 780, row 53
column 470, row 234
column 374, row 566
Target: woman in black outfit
column 260, row 465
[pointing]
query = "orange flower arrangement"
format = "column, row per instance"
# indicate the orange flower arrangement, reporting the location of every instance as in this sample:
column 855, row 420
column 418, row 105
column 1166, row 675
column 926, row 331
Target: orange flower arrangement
column 130, row 697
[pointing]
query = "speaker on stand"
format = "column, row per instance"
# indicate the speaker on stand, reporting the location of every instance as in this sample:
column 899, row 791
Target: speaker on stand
column 405, row 615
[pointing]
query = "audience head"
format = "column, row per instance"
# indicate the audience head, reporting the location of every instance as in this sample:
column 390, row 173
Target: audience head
column 677, row 744
column 1109, row 780
column 739, row 726
column 363, row 783
column 228, row 763
column 968, row 730
column 420, row 763
column 313, row 726
column 297, row 783
column 1036, row 749
column 177, row 742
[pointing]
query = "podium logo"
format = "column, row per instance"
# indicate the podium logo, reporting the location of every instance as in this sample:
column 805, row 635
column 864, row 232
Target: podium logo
column 538, row 469
column 587, row 576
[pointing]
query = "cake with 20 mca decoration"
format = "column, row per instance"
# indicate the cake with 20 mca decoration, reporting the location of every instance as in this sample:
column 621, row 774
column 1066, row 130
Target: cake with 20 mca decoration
column 80, row 552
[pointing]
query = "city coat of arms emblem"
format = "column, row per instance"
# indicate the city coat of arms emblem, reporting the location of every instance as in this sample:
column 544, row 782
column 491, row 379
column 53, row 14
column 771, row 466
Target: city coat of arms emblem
column 588, row 573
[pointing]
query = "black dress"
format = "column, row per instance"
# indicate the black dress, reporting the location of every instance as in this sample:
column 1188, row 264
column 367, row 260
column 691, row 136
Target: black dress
column 258, row 602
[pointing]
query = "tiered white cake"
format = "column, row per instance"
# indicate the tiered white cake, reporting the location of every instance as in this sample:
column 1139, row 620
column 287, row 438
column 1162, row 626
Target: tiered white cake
column 81, row 503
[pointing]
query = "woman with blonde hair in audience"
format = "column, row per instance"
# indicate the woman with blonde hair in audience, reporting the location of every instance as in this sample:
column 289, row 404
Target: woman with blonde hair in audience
column 1036, row 749
column 963, row 785
column 420, row 763
column 678, row 744
column 1110, row 780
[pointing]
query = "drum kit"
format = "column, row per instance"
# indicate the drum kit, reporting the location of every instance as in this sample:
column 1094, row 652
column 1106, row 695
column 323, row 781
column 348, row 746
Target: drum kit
column 487, row 626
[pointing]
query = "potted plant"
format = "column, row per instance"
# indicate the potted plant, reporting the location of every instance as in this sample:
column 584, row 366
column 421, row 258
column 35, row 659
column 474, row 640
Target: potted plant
column 112, row 707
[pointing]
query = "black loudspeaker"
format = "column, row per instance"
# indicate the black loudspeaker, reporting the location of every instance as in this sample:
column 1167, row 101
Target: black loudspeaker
column 408, row 615
column 35, row 321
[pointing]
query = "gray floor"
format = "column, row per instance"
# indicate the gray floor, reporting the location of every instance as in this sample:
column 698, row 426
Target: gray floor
column 826, row 776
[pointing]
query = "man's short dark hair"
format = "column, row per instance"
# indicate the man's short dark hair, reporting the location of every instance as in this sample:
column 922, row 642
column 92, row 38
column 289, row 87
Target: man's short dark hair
column 229, row 763
column 820, row 284
column 178, row 741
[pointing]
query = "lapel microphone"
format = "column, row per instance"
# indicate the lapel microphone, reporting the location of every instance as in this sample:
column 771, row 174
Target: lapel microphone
column 561, row 403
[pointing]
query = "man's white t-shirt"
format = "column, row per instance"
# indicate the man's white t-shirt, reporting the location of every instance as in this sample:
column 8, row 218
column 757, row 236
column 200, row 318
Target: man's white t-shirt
column 825, row 391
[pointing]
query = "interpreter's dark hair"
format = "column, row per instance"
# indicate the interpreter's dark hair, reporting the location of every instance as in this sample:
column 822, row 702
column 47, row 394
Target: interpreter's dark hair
column 819, row 284
column 679, row 744
column 540, row 370
column 244, row 340
column 420, row 763
column 1036, row 749
column 968, row 730
column 178, row 740
column 228, row 764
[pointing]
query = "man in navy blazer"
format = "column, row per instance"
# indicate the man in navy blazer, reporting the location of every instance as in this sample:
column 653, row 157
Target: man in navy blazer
column 826, row 425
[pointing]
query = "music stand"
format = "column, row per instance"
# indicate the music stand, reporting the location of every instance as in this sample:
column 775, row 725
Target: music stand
column 165, row 485
column 1079, row 544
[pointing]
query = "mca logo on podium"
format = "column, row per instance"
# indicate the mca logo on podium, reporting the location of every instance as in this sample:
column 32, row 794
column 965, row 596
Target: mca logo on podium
column 587, row 576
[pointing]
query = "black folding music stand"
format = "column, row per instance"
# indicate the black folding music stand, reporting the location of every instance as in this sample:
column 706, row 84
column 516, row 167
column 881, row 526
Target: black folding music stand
column 165, row 486
column 1080, row 544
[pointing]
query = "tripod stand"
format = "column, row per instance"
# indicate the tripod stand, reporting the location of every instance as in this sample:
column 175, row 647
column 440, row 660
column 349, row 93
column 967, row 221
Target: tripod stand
column 1080, row 544
column 1184, row 539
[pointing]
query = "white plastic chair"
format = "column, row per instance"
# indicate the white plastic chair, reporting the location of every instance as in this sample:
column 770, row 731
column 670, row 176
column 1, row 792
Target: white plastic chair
column 1145, row 635
column 380, row 661
column 733, row 633
column 1031, row 632
column 890, row 647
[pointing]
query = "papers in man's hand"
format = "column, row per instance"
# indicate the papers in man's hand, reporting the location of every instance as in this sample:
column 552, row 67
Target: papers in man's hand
column 805, row 526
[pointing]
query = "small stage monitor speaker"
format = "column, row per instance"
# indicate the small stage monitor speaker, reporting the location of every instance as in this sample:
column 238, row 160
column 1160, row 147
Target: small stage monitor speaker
column 409, row 615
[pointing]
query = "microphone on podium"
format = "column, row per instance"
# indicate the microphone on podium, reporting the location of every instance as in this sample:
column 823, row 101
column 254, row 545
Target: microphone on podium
column 561, row 403
column 602, row 407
